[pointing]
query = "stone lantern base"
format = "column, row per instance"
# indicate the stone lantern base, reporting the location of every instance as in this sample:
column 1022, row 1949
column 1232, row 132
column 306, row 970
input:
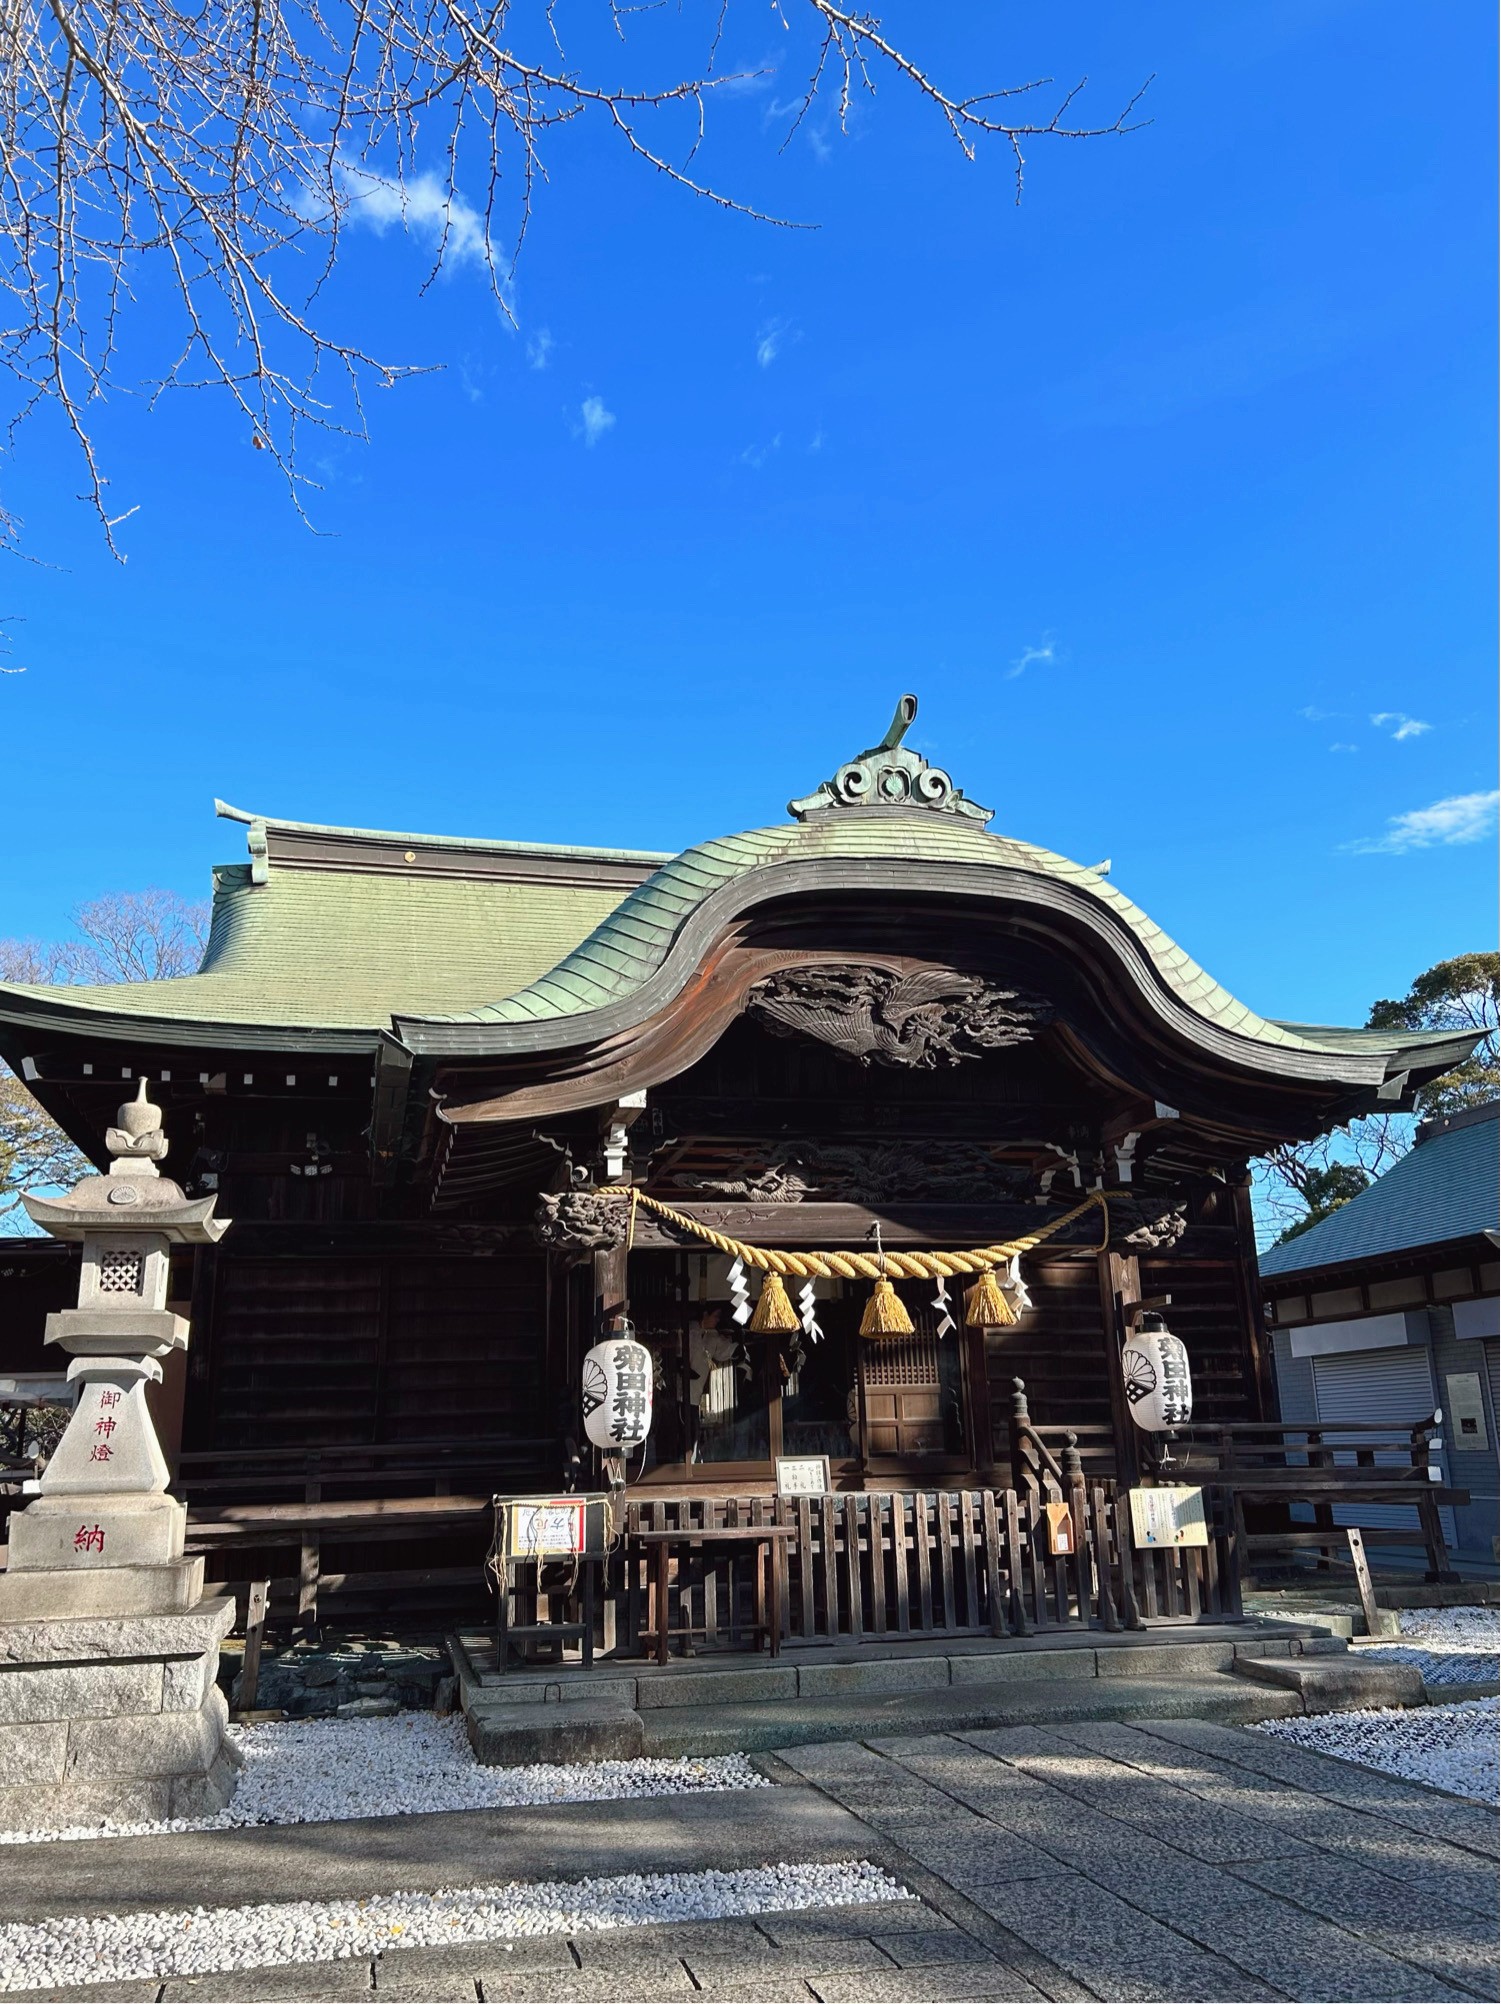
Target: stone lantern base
column 113, row 1716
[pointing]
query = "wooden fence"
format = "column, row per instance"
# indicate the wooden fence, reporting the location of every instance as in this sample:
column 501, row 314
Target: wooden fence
column 878, row 1566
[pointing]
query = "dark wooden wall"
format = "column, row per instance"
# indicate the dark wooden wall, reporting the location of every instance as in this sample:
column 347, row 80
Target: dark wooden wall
column 1059, row 1350
column 319, row 1351
column 37, row 1277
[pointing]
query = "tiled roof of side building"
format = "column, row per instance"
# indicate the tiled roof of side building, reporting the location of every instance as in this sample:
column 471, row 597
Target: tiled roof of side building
column 1444, row 1189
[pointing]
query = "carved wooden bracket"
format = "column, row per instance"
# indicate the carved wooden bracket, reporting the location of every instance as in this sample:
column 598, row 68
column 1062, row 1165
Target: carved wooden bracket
column 580, row 1221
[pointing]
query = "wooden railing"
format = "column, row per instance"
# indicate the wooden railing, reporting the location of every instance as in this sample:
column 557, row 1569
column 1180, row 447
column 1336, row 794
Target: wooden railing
column 881, row 1566
column 1337, row 1465
column 429, row 1496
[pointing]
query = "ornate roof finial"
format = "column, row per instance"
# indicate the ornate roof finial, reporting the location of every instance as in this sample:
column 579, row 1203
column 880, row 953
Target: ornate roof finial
column 887, row 776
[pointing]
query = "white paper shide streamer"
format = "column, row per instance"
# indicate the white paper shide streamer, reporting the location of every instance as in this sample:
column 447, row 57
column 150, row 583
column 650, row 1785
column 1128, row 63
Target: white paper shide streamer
column 740, row 1293
column 1015, row 1288
column 943, row 1305
column 808, row 1312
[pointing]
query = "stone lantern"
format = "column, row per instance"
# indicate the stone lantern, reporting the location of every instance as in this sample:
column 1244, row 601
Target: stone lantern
column 96, row 1581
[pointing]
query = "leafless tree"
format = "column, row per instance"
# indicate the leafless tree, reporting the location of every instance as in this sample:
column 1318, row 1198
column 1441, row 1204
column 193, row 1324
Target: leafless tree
column 127, row 936
column 1302, row 1182
column 211, row 156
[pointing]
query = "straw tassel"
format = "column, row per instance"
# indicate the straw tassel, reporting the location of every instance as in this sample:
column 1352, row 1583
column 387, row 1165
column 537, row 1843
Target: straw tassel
column 775, row 1314
column 885, row 1312
column 985, row 1306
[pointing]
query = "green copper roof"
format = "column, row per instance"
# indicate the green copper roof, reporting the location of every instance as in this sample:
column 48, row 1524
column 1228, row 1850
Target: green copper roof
column 328, row 949
column 631, row 943
column 344, row 930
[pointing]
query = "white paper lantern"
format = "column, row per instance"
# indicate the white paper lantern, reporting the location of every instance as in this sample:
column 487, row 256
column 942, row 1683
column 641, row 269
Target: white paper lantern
column 617, row 1394
column 1159, row 1389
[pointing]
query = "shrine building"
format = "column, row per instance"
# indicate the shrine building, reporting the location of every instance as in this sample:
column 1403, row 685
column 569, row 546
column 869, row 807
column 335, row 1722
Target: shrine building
column 423, row 1074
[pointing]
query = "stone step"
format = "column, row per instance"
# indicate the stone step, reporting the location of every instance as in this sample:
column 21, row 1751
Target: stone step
column 512, row 1735
column 1338, row 1684
column 860, row 1671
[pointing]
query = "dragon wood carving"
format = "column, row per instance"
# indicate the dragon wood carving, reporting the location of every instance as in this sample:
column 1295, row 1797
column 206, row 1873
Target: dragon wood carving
column 934, row 1016
column 580, row 1221
column 954, row 1172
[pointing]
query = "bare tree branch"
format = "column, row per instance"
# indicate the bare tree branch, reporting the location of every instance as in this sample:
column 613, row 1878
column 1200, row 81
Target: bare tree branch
column 214, row 155
column 126, row 936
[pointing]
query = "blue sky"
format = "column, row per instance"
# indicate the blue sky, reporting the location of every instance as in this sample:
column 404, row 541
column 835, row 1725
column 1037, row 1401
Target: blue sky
column 1169, row 492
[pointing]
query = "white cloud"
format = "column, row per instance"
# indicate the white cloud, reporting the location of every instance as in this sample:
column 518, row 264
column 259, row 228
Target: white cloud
column 769, row 342
column 1044, row 655
column 749, row 82
column 1348, row 748
column 1403, row 726
column 1315, row 716
column 422, row 206
column 539, row 347
column 816, row 442
column 1463, row 817
column 594, row 420
column 757, row 455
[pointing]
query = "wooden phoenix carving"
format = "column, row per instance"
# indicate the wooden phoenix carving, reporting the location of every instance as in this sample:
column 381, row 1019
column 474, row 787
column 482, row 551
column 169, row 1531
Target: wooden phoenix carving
column 935, row 1016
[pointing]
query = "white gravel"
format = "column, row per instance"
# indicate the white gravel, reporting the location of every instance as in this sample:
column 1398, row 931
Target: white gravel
column 1447, row 1746
column 1446, row 1645
column 330, row 1770
column 196, row 1941
column 1454, row 1627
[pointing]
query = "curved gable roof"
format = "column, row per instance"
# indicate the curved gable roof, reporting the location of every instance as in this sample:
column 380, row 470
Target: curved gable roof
column 489, row 946
column 632, row 943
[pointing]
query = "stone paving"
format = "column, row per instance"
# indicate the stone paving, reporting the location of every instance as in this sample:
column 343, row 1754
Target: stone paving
column 1156, row 1860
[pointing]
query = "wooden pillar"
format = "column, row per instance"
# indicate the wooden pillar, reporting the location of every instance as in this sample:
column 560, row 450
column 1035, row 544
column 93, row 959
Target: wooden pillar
column 1120, row 1285
column 609, row 1288
column 977, row 1401
column 1262, row 1384
column 203, row 1340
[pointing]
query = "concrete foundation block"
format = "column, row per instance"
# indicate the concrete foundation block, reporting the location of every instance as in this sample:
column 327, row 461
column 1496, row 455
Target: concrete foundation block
column 83, row 1804
column 79, row 1691
column 205, row 1794
column 1024, row 1666
column 84, row 1737
column 33, row 1756
column 96, row 1533
column 708, row 1687
column 1166, row 1659
column 598, row 1691
column 100, row 1592
column 88, row 1639
column 160, row 1747
column 517, row 1735
column 913, row 1673
column 187, row 1681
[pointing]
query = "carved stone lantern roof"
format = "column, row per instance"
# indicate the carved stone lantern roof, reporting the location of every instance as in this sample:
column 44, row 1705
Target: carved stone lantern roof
column 134, row 1196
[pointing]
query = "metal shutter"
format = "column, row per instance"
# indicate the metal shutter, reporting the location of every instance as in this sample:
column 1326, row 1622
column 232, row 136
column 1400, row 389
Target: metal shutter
column 1388, row 1387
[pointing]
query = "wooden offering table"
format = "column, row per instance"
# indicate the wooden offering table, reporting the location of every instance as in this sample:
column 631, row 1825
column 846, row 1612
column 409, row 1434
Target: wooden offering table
column 768, row 1545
